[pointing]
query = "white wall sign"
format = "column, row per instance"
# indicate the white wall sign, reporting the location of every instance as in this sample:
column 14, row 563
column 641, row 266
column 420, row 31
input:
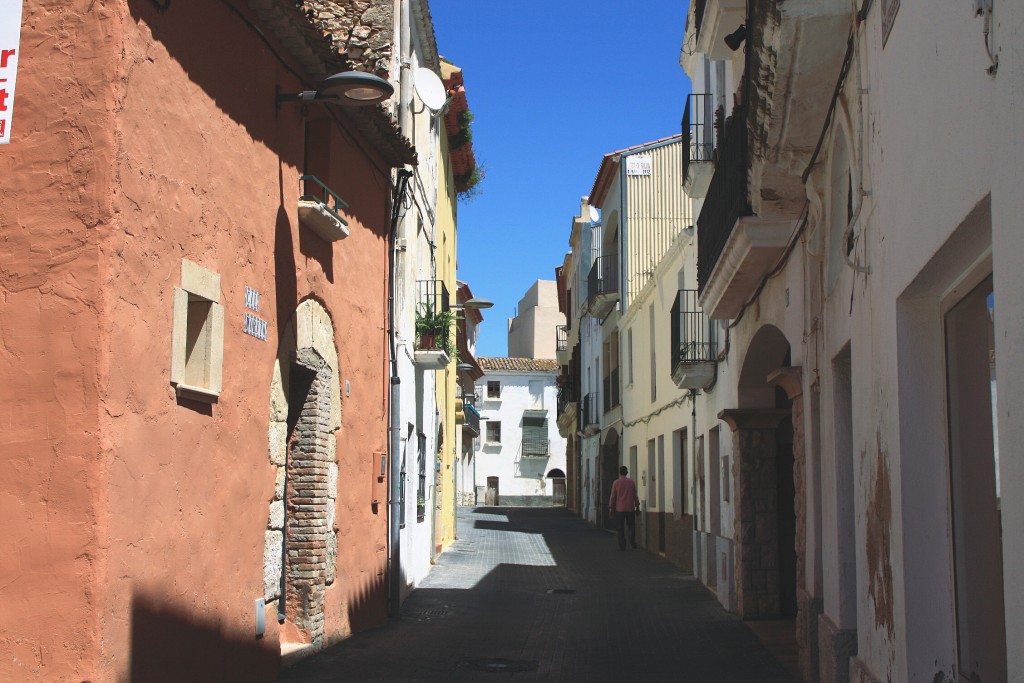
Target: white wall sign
column 639, row 164
column 10, row 37
column 255, row 327
column 252, row 299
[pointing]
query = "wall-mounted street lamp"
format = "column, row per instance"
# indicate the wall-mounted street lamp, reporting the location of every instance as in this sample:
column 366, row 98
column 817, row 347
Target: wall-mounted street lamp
column 347, row 89
column 476, row 303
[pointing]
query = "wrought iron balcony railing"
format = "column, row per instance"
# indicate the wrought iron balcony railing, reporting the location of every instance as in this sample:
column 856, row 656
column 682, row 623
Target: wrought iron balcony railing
column 726, row 200
column 314, row 190
column 536, row 447
column 433, row 294
column 698, row 130
column 561, row 338
column 603, row 277
column 566, row 394
column 694, row 336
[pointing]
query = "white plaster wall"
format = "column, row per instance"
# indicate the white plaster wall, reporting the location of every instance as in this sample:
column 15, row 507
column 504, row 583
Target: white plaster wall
column 517, row 476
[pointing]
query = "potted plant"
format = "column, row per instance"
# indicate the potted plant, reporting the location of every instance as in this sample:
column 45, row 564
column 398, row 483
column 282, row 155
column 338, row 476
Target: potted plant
column 434, row 328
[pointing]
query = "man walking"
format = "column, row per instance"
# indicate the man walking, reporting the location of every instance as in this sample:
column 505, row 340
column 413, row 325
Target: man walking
column 624, row 503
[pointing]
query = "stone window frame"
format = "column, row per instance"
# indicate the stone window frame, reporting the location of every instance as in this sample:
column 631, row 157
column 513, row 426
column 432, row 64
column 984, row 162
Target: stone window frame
column 197, row 335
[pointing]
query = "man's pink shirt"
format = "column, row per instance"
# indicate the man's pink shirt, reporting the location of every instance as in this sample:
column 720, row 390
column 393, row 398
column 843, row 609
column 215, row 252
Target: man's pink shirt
column 623, row 498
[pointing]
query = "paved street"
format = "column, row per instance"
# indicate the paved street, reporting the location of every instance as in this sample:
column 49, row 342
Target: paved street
column 536, row 594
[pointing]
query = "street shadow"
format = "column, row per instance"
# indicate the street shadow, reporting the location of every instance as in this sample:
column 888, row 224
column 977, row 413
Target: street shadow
column 169, row 645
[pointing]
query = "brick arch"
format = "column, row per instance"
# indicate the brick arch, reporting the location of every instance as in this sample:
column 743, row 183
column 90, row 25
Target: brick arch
column 305, row 410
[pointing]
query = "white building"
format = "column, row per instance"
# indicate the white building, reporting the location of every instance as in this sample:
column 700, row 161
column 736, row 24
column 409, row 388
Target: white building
column 861, row 252
column 520, row 456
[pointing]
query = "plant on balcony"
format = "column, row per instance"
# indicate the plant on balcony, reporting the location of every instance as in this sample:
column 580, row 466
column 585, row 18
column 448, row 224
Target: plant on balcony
column 434, row 329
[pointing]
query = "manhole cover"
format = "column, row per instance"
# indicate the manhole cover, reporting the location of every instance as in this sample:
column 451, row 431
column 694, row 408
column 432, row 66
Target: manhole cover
column 502, row 665
column 561, row 591
column 434, row 613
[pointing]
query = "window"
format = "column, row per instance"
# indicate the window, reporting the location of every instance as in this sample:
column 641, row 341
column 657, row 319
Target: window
column 535, row 434
column 726, row 479
column 197, row 335
column 493, row 389
column 494, row 431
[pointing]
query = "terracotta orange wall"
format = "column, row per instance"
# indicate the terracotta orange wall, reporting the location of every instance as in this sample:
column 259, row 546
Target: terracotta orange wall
column 208, row 171
column 139, row 520
column 55, row 186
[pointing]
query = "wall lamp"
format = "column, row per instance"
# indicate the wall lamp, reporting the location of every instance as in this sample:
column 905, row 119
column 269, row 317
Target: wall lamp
column 736, row 38
column 348, row 89
column 475, row 302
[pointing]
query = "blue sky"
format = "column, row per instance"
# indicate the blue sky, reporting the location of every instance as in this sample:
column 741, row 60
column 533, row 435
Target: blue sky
column 553, row 85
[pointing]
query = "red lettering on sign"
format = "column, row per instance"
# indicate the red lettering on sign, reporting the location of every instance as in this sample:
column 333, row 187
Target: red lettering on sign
column 3, row 99
column 3, row 126
column 4, row 56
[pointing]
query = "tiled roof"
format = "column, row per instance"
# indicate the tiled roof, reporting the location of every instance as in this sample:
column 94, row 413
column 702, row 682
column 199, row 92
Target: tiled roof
column 518, row 364
column 306, row 43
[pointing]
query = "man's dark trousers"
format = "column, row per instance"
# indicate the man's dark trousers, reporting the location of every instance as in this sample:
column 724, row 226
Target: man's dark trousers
column 626, row 519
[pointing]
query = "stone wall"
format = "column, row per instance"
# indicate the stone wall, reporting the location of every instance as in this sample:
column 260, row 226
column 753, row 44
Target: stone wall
column 362, row 31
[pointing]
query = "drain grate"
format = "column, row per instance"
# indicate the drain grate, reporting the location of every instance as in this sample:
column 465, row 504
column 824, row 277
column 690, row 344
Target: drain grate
column 502, row 665
column 561, row 591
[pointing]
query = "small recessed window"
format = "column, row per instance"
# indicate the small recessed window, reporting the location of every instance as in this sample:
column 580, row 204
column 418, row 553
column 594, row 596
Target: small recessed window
column 197, row 341
column 494, row 432
column 494, row 389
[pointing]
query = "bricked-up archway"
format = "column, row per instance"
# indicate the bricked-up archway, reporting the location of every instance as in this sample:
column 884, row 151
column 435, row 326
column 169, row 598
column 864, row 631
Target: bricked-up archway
column 307, row 496
column 301, row 540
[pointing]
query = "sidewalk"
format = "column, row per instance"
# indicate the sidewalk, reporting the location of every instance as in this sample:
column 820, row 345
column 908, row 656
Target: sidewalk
column 536, row 594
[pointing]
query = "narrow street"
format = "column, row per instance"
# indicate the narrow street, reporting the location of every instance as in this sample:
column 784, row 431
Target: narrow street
column 536, row 594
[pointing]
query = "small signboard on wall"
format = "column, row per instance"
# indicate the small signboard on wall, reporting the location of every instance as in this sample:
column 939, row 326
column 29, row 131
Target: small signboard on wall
column 10, row 39
column 254, row 325
column 639, row 164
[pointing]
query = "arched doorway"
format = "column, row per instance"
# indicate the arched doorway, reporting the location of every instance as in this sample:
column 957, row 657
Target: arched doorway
column 305, row 410
column 765, row 532
column 557, row 478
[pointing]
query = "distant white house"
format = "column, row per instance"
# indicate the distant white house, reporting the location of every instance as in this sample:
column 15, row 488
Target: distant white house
column 520, row 456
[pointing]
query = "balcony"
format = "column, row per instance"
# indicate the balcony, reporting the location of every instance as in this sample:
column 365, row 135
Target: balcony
column 434, row 319
column 735, row 250
column 611, row 391
column 471, row 425
column 536, row 447
column 591, row 422
column 694, row 343
column 319, row 209
column 603, row 286
column 713, row 21
column 562, row 344
column 699, row 136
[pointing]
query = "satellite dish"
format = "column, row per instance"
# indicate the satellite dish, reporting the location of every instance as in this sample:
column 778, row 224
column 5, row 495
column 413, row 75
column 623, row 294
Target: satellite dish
column 430, row 89
column 594, row 215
